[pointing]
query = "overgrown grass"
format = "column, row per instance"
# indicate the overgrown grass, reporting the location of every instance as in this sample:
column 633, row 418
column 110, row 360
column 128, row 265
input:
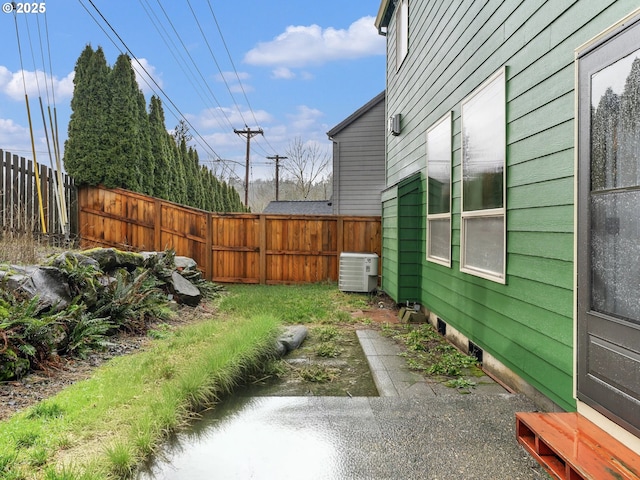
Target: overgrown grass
column 428, row 352
column 316, row 303
column 102, row 427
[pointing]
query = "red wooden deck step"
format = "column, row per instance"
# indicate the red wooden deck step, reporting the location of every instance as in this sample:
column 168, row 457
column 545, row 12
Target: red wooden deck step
column 570, row 447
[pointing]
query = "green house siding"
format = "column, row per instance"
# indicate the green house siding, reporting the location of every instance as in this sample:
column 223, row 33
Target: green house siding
column 527, row 323
column 403, row 239
column 390, row 243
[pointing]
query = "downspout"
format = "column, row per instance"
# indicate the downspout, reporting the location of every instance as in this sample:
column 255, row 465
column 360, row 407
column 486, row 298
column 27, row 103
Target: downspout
column 336, row 176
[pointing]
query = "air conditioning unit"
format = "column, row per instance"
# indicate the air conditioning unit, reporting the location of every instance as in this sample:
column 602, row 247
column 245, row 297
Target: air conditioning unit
column 358, row 272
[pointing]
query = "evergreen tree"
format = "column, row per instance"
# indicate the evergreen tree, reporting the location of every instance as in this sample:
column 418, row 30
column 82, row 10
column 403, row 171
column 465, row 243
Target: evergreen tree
column 160, row 149
column 147, row 161
column 123, row 129
column 178, row 175
column 194, row 169
column 114, row 141
column 85, row 156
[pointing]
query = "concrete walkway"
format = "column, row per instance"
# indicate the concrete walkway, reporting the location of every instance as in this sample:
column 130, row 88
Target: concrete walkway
column 394, row 379
column 414, row 430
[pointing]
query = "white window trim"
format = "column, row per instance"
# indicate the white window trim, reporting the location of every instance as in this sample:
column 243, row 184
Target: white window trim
column 487, row 213
column 402, row 32
column 439, row 216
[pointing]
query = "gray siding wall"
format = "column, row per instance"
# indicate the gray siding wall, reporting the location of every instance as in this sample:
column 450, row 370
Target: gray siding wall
column 453, row 48
column 358, row 165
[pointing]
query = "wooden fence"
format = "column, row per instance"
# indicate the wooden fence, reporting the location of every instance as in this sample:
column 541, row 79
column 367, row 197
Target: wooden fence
column 19, row 203
column 232, row 248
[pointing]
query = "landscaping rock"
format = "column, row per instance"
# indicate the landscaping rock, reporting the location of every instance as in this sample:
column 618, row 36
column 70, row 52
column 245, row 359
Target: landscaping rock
column 184, row 291
column 110, row 258
column 76, row 259
column 47, row 283
column 185, row 263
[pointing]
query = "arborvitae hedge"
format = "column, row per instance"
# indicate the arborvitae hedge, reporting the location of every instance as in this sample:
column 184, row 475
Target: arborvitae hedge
column 114, row 141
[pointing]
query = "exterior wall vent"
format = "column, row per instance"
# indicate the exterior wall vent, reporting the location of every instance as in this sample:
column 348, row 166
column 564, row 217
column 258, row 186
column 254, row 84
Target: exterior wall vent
column 358, row 272
column 394, row 124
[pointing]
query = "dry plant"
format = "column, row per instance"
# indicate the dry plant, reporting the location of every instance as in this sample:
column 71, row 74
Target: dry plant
column 22, row 248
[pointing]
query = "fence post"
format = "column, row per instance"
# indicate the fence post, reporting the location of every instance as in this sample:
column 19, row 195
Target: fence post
column 340, row 242
column 208, row 254
column 263, row 249
column 157, row 225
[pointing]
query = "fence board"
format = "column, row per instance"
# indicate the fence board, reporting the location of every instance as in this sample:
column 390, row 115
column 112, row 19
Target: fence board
column 19, row 198
column 229, row 248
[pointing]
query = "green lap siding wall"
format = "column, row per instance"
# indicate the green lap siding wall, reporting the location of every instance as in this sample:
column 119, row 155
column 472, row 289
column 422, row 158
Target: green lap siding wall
column 454, row 47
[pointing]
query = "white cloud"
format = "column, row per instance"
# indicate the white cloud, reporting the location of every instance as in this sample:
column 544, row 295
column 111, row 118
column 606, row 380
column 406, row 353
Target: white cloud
column 283, row 73
column 145, row 72
column 16, row 138
column 13, row 84
column 299, row 46
column 305, row 118
column 216, row 118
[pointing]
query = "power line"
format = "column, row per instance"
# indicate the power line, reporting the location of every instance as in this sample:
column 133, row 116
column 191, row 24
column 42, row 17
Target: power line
column 148, row 75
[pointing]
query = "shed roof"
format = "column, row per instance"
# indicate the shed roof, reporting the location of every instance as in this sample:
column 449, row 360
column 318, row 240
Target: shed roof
column 300, row 207
column 357, row 114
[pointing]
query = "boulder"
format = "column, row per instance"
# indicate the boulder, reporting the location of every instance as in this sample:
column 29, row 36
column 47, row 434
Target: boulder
column 184, row 291
column 75, row 258
column 185, row 263
column 47, row 283
column 111, row 258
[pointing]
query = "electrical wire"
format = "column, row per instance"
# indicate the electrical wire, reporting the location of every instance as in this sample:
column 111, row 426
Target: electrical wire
column 202, row 141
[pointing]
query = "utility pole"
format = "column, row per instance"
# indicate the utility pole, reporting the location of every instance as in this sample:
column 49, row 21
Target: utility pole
column 247, row 132
column 277, row 158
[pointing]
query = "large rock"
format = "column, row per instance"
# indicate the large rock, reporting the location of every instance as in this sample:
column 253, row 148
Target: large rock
column 111, row 258
column 184, row 291
column 74, row 258
column 47, row 283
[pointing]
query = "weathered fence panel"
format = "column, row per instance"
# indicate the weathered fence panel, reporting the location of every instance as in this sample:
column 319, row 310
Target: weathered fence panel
column 19, row 202
column 231, row 248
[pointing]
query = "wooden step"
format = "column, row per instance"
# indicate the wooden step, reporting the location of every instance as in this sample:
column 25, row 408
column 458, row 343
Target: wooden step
column 570, row 447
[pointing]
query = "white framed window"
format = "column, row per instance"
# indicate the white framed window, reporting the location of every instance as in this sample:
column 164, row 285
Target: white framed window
column 483, row 225
column 439, row 191
column 402, row 31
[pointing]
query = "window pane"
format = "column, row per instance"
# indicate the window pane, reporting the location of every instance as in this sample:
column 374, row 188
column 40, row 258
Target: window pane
column 615, row 124
column 484, row 244
column 483, row 147
column 439, row 166
column 615, row 254
column 402, row 31
column 440, row 239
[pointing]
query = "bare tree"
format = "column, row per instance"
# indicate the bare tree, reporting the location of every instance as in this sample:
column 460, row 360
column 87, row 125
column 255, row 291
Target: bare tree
column 307, row 164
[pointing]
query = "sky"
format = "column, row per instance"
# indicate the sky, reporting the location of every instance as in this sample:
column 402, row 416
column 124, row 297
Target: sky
column 293, row 68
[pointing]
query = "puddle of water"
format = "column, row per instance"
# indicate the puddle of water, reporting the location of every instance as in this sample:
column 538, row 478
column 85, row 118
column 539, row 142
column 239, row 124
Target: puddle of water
column 271, row 431
column 244, row 438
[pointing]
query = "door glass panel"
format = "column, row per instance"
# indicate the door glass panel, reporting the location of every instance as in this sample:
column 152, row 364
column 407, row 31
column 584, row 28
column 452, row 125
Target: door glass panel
column 615, row 124
column 615, row 254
